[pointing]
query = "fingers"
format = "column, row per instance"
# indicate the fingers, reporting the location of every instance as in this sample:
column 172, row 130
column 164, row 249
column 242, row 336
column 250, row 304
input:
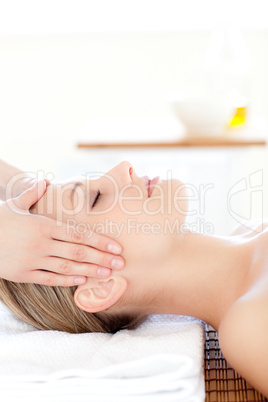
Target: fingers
column 89, row 238
column 52, row 279
column 77, row 271
column 82, row 254
column 65, row 273
column 30, row 196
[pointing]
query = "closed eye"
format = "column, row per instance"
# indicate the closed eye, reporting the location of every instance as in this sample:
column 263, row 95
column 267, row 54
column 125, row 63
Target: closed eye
column 96, row 198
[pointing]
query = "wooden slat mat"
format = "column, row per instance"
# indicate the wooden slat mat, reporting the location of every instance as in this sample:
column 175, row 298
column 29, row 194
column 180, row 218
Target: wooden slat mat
column 223, row 384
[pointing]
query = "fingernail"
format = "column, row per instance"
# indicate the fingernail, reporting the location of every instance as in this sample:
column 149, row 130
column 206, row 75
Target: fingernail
column 114, row 248
column 117, row 263
column 103, row 272
column 79, row 281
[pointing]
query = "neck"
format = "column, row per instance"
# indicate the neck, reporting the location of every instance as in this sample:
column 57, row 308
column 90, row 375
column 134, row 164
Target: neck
column 203, row 277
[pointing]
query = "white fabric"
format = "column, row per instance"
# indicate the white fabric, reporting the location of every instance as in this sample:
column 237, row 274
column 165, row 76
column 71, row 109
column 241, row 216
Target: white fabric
column 162, row 360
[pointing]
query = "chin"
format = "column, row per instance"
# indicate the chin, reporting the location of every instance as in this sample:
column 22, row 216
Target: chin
column 175, row 195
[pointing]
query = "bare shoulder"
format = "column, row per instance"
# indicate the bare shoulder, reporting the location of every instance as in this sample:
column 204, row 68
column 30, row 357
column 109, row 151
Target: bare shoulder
column 250, row 227
column 243, row 336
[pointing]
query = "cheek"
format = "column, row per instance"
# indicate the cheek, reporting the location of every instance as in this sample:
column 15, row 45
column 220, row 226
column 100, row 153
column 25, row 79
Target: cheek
column 147, row 250
column 143, row 238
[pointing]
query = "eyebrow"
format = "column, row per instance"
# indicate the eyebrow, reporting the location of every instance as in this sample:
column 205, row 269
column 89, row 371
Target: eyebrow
column 76, row 184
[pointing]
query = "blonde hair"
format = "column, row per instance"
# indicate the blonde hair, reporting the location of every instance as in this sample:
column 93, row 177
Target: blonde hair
column 53, row 308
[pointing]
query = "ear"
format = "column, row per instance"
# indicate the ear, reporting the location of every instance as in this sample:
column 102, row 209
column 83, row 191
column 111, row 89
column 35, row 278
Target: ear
column 99, row 294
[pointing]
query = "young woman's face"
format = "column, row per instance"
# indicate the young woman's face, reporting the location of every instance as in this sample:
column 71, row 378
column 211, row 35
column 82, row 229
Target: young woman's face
column 144, row 216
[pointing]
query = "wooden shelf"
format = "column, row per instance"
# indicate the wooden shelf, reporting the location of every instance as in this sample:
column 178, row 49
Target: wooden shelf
column 165, row 133
column 229, row 141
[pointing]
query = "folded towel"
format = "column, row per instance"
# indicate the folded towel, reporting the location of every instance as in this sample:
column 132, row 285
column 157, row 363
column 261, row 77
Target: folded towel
column 161, row 360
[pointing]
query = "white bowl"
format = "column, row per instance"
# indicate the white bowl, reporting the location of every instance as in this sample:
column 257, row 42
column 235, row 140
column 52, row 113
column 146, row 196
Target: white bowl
column 203, row 115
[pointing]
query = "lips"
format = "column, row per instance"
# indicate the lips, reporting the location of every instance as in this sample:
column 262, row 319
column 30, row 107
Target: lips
column 150, row 184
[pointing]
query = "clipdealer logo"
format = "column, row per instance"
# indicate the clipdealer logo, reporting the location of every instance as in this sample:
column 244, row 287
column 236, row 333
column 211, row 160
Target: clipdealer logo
column 252, row 187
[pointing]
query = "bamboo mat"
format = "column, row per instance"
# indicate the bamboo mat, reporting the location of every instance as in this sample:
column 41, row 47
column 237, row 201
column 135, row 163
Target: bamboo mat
column 222, row 383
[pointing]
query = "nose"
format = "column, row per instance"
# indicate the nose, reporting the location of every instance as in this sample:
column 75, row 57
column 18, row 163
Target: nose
column 123, row 172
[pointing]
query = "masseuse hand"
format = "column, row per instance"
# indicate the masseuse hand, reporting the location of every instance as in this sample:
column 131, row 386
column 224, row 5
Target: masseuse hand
column 33, row 249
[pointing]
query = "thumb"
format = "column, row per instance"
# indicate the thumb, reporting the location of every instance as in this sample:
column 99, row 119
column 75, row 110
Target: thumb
column 30, row 196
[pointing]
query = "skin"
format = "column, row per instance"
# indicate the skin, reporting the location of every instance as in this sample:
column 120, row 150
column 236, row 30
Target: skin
column 222, row 280
column 60, row 262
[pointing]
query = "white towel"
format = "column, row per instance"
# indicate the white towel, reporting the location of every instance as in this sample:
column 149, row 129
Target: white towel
column 162, row 360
